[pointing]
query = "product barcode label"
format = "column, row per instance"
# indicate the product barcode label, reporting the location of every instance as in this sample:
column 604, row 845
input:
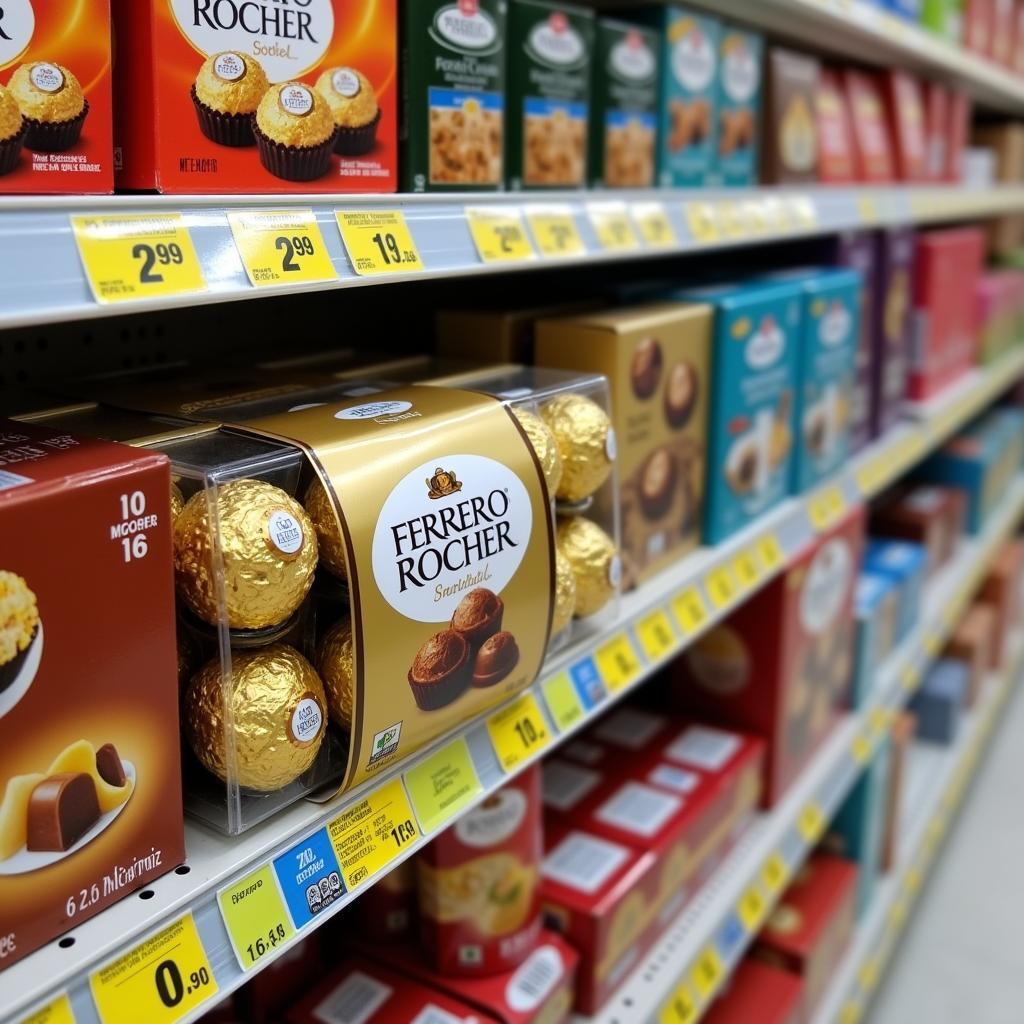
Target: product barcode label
column 565, row 785
column 354, row 1001
column 534, row 979
column 630, row 728
column 8, row 480
column 703, row 747
column 431, row 1014
column 671, row 777
column 583, row 862
column 639, row 809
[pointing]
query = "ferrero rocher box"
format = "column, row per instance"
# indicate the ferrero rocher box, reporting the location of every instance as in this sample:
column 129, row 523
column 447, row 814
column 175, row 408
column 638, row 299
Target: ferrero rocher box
column 657, row 359
column 90, row 779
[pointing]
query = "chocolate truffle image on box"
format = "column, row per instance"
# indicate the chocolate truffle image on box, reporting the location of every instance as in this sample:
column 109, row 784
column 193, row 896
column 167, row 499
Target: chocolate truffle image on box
column 354, row 107
column 645, row 368
column 226, row 94
column 21, row 635
column 441, row 670
column 12, row 131
column 52, row 103
column 295, row 132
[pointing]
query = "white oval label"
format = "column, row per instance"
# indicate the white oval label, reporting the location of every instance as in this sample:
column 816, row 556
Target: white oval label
column 825, row 586
column 307, row 720
column 494, row 821
column 449, row 525
column 285, row 532
column 693, row 60
column 534, row 979
column 371, row 410
column 766, row 345
column 555, row 41
column 287, row 39
column 345, row 82
column 611, row 447
column 740, row 70
column 463, row 26
column 47, row 77
column 632, row 59
column 296, row 100
column 835, row 325
column 17, row 24
column 229, row 67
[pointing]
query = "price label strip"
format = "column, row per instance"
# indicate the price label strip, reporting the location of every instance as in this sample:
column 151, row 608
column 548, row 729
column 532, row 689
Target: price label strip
column 135, row 257
column 518, row 732
column 442, row 785
column 162, row 979
column 708, row 973
column 655, row 227
column 690, row 610
column 378, row 242
column 825, row 507
column 563, row 701
column 368, row 836
column 255, row 916
column 499, row 234
column 680, row 1009
column 752, row 908
column 702, row 222
column 554, row 230
column 57, row 1012
column 770, row 550
column 811, row 823
column 281, row 247
column 617, row 662
column 657, row 637
column 612, row 226
column 730, row 216
column 721, row 586
column 774, row 873
column 747, row 569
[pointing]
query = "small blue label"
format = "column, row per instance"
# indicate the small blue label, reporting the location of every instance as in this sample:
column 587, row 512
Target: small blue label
column 624, row 118
column 730, row 937
column 588, row 683
column 457, row 99
column 309, row 877
column 538, row 106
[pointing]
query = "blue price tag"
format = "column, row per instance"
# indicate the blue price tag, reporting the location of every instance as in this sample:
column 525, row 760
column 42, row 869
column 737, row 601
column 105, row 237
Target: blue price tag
column 310, row 878
column 731, row 936
column 588, row 683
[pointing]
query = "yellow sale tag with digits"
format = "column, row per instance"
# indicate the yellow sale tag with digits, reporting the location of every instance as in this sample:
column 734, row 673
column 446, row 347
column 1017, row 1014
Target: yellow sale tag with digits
column 554, row 230
column 137, row 256
column 747, row 569
column 721, row 586
column 378, row 242
column 730, row 216
column 774, row 873
column 707, row 975
column 825, row 507
column 811, row 823
column 255, row 916
column 162, row 979
column 770, row 550
column 755, row 215
column 369, row 835
column 690, row 610
column 861, row 749
column 499, row 234
column 518, row 732
column 702, row 221
column 57, row 1012
column 680, row 1009
column 909, row 678
column 612, row 226
column 868, row 209
column 563, row 701
column 776, row 215
column 752, row 908
column 280, row 247
column 617, row 662
column 655, row 227
column 657, row 637
column 442, row 785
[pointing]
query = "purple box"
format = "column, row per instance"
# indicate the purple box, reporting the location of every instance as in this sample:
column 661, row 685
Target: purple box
column 893, row 325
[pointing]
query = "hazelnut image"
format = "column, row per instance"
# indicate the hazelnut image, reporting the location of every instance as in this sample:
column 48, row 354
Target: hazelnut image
column 440, row 671
column 658, row 479
column 645, row 369
column 681, row 391
column 496, row 659
column 743, row 464
column 815, row 431
column 478, row 616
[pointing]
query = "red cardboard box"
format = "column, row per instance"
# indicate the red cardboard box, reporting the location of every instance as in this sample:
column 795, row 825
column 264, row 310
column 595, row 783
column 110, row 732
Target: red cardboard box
column 380, row 996
column 936, row 127
column 196, row 79
column 780, row 665
column 973, row 642
column 55, row 58
column 387, row 911
column 977, row 28
column 835, row 142
column 872, row 146
column 959, row 132
column 1017, row 57
column 928, row 515
column 759, row 992
column 906, row 115
column 946, row 272
column 810, row 928
column 1001, row 590
column 268, row 994
column 1001, row 48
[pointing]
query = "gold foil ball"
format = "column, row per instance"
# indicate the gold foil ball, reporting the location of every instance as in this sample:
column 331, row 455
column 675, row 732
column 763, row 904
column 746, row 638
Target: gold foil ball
column 328, row 532
column 278, row 705
column 594, row 560
column 565, row 593
column 336, row 663
column 544, row 446
column 586, row 444
column 47, row 92
column 177, row 502
column 294, row 114
column 268, row 551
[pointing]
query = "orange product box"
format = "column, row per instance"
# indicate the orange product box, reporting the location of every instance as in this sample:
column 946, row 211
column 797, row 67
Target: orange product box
column 959, row 130
column 835, row 142
column 872, row 146
column 907, row 116
column 759, row 992
column 936, row 128
column 973, row 642
column 1001, row 590
column 250, row 96
column 56, row 111
column 811, row 926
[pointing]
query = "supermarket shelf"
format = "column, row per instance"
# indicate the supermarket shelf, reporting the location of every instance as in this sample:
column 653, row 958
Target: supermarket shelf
column 858, row 30
column 43, row 279
column 945, row 773
column 654, row 623
column 679, row 977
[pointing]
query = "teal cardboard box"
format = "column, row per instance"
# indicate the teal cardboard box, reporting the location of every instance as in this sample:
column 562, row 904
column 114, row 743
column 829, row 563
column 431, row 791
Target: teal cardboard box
column 738, row 102
column 753, row 379
column 906, row 565
column 689, row 81
column 876, row 605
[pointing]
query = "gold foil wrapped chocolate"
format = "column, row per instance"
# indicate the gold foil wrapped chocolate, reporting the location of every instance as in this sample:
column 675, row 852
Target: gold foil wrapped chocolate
column 328, row 532
column 279, row 710
column 177, row 502
column 544, row 446
column 268, row 554
column 594, row 560
column 586, row 444
column 336, row 663
column 565, row 594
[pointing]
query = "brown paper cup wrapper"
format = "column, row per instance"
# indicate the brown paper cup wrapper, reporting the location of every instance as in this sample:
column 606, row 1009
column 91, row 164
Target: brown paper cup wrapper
column 357, row 141
column 54, row 136
column 294, row 163
column 225, row 129
column 10, row 153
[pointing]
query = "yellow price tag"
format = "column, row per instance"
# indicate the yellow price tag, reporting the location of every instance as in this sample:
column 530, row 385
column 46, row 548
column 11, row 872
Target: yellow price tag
column 867, row 209
column 730, row 216
column 254, row 916
column 612, row 226
column 721, row 586
column 442, row 784
column 57, row 1012
column 617, row 662
column 128, row 257
column 563, row 701
column 850, row 1013
column 804, row 212
column 878, row 720
column 753, row 212
column 690, row 610
column 825, row 507
column 370, row 834
column 162, row 979
column 554, row 230
column 655, row 227
column 811, row 823
column 708, row 973
column 379, row 242
column 776, row 215
column 752, row 908
column 770, row 550
column 909, row 678
column 747, row 568
column 932, row 644
column 861, row 749
column 868, row 975
column 680, row 1009
column 499, row 234
column 702, row 221
column 774, row 873
column 518, row 732
column 912, row 879
column 280, row 247
column 657, row 637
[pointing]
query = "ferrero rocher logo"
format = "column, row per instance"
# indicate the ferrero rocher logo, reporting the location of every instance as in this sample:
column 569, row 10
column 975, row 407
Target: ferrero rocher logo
column 443, row 483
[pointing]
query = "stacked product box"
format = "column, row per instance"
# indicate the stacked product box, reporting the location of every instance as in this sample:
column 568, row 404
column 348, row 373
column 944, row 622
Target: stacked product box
column 939, row 700
column 904, row 564
column 998, row 314
column 738, row 103
column 972, row 643
column 835, row 138
column 1001, row 590
column 900, row 736
column 872, row 145
column 624, row 854
column 781, row 664
column 924, row 514
column 790, row 143
column 908, row 126
column 875, row 609
column 761, row 992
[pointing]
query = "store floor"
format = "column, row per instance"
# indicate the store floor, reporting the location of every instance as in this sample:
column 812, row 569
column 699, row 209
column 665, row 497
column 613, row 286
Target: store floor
column 962, row 956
